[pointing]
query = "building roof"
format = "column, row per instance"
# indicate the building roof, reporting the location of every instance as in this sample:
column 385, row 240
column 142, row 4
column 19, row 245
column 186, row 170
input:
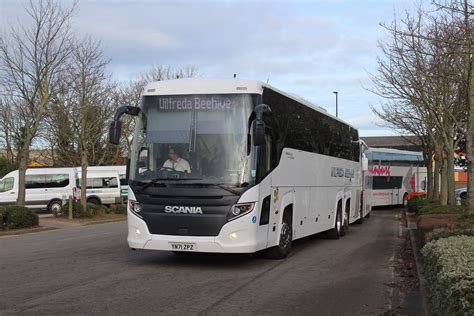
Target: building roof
column 410, row 143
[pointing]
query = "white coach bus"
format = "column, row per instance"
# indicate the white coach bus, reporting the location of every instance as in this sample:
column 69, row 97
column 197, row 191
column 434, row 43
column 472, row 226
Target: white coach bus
column 397, row 175
column 266, row 168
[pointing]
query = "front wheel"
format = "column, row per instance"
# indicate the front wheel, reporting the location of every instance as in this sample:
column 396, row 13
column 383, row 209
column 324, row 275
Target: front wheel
column 284, row 245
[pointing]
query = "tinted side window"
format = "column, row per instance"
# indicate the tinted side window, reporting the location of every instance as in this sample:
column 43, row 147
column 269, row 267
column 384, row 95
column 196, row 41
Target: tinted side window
column 303, row 128
column 56, row 180
column 35, row 181
column 384, row 183
column 123, row 179
column 109, row 182
column 94, row 183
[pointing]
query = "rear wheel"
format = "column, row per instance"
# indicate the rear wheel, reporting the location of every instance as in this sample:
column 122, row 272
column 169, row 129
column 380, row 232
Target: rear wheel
column 55, row 206
column 336, row 232
column 345, row 221
column 361, row 217
column 284, row 245
column 93, row 200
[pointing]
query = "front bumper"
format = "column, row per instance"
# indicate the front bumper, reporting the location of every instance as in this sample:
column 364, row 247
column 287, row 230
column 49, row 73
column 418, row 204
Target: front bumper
column 243, row 240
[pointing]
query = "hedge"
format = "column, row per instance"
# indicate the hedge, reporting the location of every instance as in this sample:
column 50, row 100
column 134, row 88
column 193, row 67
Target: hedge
column 118, row 209
column 15, row 217
column 448, row 232
column 449, row 271
column 78, row 212
column 421, row 205
column 92, row 209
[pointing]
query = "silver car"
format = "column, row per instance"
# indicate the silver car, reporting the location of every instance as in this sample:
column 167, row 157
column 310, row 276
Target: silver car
column 461, row 193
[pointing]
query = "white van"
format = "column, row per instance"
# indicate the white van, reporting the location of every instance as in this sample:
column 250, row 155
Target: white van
column 122, row 171
column 103, row 187
column 46, row 188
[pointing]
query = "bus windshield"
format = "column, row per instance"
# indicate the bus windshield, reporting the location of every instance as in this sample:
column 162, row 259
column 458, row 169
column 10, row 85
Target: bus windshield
column 198, row 138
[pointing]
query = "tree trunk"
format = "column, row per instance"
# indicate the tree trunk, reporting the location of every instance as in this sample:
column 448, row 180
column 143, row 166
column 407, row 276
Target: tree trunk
column 10, row 156
column 84, row 180
column 444, row 183
column 24, row 157
column 429, row 184
column 436, row 176
column 469, row 144
column 450, row 176
column 22, row 166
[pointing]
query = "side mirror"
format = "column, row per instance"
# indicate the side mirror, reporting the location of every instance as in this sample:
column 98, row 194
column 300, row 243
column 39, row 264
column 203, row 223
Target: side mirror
column 258, row 132
column 115, row 131
column 259, row 124
column 365, row 163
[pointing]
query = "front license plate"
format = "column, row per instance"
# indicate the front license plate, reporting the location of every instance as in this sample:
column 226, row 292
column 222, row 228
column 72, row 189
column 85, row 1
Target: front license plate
column 181, row 246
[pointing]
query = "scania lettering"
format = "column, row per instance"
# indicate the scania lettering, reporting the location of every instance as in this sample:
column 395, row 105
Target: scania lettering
column 267, row 168
column 183, row 209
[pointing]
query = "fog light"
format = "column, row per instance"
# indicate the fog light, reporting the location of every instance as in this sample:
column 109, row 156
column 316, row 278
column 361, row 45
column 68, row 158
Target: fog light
column 233, row 235
column 137, row 231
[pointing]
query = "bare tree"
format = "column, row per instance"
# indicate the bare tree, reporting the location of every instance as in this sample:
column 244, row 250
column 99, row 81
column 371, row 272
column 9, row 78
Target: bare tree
column 464, row 11
column 87, row 107
column 31, row 61
column 420, row 75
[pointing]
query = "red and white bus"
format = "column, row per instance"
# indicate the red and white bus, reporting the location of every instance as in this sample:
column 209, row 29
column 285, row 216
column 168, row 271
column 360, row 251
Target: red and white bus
column 397, row 175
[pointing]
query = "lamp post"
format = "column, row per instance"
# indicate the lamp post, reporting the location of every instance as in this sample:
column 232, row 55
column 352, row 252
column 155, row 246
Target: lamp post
column 335, row 92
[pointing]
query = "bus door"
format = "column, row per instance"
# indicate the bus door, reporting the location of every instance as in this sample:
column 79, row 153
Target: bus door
column 269, row 195
column 396, row 196
column 397, row 189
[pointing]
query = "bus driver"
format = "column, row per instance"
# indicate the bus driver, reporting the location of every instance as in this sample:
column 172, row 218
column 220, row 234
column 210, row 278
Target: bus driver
column 175, row 162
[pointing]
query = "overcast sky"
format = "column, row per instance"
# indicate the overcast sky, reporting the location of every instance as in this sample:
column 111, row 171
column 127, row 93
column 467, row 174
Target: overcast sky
column 309, row 48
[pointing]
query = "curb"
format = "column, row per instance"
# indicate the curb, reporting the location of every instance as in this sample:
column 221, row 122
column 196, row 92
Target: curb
column 24, row 231
column 105, row 221
column 419, row 271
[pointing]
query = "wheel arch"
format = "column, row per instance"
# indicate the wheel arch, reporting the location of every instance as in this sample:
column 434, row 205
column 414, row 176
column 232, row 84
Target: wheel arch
column 94, row 197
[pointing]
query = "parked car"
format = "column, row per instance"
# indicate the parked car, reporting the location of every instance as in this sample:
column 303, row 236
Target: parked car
column 461, row 192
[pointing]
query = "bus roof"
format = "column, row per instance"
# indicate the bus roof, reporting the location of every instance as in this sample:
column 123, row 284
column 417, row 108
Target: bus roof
column 389, row 154
column 188, row 86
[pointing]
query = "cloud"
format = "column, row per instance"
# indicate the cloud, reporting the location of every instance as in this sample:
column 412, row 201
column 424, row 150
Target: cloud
column 310, row 48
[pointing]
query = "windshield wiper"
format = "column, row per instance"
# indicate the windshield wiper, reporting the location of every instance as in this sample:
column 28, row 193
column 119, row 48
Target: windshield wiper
column 156, row 180
column 146, row 185
column 227, row 189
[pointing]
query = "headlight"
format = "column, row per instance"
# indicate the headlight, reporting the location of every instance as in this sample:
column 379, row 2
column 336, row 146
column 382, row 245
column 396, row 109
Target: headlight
column 135, row 207
column 239, row 210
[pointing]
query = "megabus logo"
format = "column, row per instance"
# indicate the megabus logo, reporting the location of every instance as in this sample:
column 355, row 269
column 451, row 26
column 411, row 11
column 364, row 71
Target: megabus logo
column 183, row 209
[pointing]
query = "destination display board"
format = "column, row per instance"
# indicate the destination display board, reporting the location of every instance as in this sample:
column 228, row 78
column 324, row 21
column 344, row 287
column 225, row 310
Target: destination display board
column 196, row 103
